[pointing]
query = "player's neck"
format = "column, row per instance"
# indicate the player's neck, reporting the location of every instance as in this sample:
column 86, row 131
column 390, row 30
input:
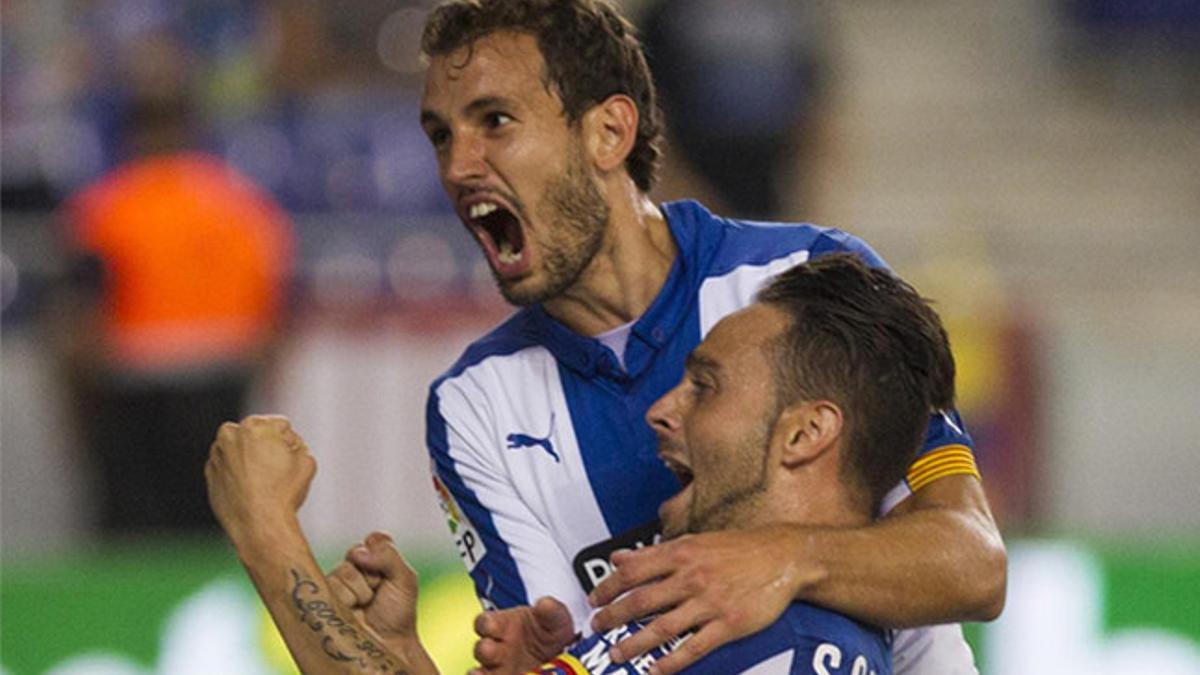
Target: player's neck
column 816, row 498
column 626, row 274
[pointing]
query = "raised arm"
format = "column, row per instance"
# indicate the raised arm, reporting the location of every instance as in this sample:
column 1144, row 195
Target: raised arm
column 258, row 476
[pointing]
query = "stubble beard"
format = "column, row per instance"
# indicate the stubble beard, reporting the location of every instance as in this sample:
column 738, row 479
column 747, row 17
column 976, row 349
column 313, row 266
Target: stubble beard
column 737, row 504
column 728, row 511
column 575, row 215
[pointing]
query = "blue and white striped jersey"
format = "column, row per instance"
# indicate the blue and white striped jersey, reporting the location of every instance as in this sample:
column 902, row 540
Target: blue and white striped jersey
column 804, row 641
column 540, row 451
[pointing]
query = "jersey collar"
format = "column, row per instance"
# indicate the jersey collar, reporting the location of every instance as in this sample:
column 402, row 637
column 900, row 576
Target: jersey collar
column 662, row 320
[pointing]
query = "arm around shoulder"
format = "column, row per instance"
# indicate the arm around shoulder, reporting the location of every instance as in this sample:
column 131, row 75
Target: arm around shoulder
column 978, row 569
column 936, row 558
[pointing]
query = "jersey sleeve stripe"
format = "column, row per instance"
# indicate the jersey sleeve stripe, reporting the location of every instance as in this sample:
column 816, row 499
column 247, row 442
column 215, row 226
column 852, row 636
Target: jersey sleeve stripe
column 497, row 562
column 949, row 460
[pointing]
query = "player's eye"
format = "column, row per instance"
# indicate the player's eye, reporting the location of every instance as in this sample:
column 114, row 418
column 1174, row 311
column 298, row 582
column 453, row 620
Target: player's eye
column 495, row 120
column 439, row 137
column 700, row 387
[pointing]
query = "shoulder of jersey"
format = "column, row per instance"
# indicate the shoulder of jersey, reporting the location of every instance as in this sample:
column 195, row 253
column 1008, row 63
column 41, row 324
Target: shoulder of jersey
column 718, row 245
column 511, row 336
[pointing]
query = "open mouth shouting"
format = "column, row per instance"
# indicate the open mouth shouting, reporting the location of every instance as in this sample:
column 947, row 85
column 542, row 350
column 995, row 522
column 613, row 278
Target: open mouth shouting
column 682, row 471
column 674, row 512
column 500, row 232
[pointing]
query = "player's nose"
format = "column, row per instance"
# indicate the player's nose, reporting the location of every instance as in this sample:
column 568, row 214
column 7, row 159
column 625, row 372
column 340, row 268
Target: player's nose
column 663, row 416
column 465, row 160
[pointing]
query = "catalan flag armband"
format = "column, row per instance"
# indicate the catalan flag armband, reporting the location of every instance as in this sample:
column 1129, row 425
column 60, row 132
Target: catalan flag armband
column 564, row 664
column 948, row 460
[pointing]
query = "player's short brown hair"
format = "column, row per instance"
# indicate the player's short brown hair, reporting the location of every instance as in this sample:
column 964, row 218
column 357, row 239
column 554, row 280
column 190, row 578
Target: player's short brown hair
column 591, row 52
column 862, row 338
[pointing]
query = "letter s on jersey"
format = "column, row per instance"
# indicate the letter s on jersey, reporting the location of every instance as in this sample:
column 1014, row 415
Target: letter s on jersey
column 827, row 660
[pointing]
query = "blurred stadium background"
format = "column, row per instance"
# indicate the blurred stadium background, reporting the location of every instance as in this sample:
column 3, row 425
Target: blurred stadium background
column 1033, row 165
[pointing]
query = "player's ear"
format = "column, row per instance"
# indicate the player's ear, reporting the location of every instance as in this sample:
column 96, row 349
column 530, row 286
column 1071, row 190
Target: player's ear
column 609, row 131
column 805, row 431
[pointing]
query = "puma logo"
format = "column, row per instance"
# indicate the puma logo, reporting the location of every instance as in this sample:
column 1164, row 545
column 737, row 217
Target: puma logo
column 519, row 441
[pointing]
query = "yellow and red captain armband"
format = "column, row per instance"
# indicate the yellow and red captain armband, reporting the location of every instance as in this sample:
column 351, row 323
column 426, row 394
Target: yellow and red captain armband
column 564, row 664
column 948, row 460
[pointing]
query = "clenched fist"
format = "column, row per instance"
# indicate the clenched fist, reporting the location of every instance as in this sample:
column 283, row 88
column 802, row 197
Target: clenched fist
column 258, row 474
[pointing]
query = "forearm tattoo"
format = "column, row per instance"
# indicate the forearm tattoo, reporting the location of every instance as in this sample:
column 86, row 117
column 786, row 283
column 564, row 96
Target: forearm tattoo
column 341, row 639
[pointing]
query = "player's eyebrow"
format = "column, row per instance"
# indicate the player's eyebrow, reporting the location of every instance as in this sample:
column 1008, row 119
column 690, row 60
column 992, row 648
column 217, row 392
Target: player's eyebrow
column 429, row 117
column 487, row 102
column 697, row 361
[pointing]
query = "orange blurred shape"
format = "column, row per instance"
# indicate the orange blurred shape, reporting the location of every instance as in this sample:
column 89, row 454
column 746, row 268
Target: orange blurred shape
column 195, row 257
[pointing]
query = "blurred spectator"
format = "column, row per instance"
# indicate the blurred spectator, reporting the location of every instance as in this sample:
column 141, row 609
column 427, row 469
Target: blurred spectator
column 180, row 271
column 740, row 84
